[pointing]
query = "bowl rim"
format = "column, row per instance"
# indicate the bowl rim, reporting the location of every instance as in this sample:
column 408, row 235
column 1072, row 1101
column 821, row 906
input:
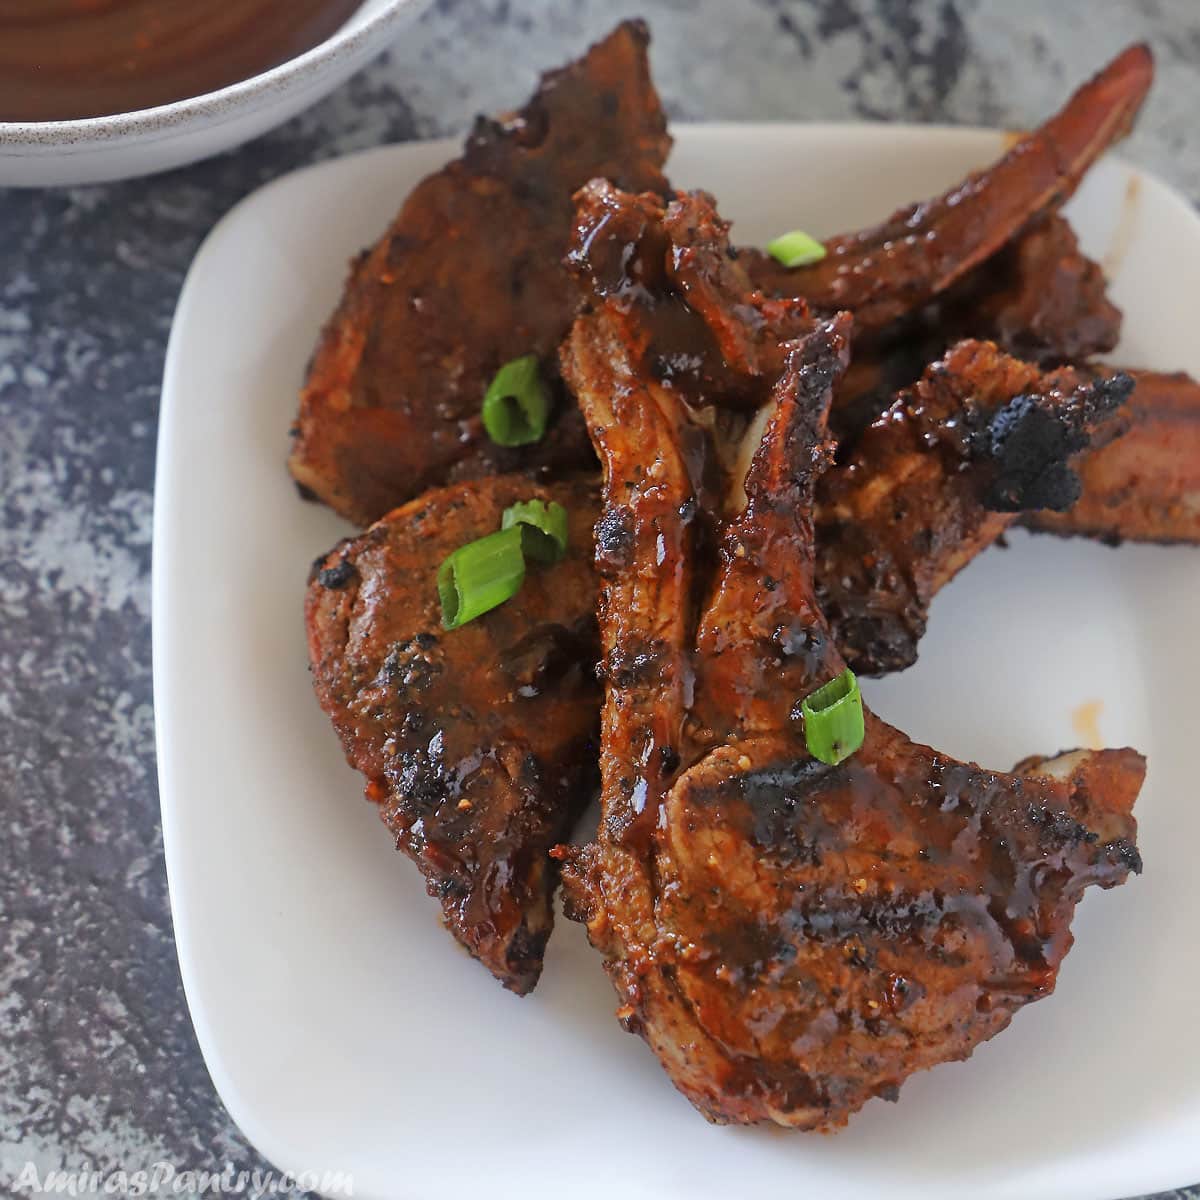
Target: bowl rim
column 292, row 72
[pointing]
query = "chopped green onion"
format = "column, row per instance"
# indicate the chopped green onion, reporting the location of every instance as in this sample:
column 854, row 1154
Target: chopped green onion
column 543, row 528
column 479, row 576
column 796, row 249
column 516, row 404
column 833, row 719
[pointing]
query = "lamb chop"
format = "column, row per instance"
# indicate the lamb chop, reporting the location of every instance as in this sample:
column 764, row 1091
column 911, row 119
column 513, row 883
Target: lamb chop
column 1043, row 301
column 479, row 746
column 947, row 468
column 469, row 277
column 889, row 272
column 791, row 937
column 932, row 459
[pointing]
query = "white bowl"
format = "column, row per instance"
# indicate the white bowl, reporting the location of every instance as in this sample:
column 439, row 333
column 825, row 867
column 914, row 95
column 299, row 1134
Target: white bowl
column 96, row 149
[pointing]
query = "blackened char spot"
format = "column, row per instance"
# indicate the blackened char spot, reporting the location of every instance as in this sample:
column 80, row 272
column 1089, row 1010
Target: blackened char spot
column 780, row 805
column 614, row 538
column 1031, row 446
column 1058, row 828
column 1111, row 393
column 338, row 576
column 411, row 666
column 526, row 949
column 633, row 661
column 1125, row 853
column 423, row 779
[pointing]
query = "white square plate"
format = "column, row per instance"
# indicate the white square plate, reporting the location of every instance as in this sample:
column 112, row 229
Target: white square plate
column 343, row 1028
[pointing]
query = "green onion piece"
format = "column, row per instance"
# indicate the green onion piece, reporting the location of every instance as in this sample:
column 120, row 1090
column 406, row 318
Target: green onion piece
column 833, row 719
column 516, row 404
column 479, row 576
column 796, row 249
column 543, row 528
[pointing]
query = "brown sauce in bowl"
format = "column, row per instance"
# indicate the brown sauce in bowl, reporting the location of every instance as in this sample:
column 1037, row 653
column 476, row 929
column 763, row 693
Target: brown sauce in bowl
column 63, row 59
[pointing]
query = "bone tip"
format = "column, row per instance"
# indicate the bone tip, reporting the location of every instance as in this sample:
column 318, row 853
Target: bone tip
column 1136, row 62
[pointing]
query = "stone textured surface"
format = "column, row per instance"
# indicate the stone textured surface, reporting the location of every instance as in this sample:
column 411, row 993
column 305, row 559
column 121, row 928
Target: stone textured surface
column 98, row 1063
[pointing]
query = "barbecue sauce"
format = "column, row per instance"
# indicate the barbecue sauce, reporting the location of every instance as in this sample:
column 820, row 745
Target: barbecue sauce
column 64, row 59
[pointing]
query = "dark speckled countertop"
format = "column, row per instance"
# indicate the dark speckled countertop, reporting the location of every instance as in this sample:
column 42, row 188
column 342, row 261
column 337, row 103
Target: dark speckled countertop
column 98, row 1063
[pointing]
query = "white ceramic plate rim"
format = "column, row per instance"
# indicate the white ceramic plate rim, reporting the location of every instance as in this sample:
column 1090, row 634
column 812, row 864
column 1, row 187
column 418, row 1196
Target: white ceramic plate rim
column 257, row 1126
column 83, row 133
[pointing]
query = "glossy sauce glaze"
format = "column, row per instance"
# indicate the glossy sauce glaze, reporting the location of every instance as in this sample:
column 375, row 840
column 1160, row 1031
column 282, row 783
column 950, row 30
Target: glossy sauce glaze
column 64, row 59
column 791, row 938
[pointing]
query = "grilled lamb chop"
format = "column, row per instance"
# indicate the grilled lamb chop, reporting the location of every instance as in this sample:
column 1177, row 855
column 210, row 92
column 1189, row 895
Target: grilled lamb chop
column 889, row 272
column 941, row 474
column 791, row 938
column 469, row 277
column 479, row 745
